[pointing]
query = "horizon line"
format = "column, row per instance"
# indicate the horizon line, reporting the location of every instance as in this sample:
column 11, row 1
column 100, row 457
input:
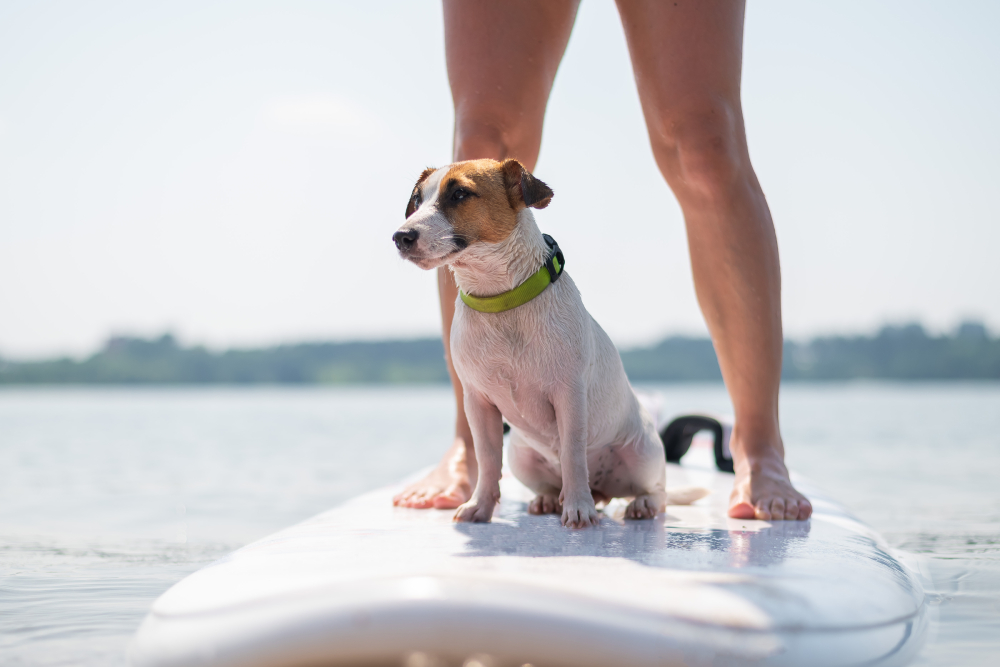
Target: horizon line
column 186, row 344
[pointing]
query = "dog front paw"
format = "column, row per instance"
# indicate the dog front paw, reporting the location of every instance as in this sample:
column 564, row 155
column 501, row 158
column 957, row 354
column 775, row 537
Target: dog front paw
column 474, row 511
column 581, row 513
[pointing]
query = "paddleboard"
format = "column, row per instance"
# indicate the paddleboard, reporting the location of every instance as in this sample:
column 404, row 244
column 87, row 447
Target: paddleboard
column 367, row 583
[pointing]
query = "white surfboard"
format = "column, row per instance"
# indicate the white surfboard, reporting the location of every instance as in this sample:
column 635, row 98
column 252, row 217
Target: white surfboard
column 370, row 584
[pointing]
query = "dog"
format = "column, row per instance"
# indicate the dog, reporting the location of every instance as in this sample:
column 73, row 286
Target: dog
column 578, row 433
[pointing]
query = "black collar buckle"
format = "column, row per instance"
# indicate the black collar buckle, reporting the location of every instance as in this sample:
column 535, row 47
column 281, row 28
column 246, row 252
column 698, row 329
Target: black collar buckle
column 554, row 254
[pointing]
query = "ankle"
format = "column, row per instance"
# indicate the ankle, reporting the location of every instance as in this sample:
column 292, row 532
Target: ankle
column 466, row 439
column 756, row 445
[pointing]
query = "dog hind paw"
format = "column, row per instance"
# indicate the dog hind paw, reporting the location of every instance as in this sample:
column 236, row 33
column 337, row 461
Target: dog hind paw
column 645, row 507
column 545, row 504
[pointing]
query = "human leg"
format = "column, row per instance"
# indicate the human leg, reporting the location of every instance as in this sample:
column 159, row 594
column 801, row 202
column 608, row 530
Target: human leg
column 502, row 59
column 687, row 58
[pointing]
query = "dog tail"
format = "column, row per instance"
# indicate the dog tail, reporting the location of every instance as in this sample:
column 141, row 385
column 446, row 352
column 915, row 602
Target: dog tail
column 686, row 495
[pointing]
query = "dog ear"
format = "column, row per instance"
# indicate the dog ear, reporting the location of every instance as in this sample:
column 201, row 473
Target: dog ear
column 411, row 205
column 523, row 189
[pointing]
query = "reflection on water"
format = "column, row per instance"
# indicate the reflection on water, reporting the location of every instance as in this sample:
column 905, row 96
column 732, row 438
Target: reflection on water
column 107, row 497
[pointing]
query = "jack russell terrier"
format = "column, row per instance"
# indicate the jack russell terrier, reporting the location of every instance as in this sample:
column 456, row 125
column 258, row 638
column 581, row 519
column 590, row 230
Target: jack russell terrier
column 526, row 350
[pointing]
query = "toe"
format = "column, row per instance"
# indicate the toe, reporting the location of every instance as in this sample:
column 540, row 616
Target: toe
column 645, row 509
column 573, row 519
column 742, row 510
column 469, row 512
column 448, row 500
column 805, row 509
column 778, row 509
column 762, row 512
column 403, row 498
column 636, row 510
column 791, row 510
column 424, row 500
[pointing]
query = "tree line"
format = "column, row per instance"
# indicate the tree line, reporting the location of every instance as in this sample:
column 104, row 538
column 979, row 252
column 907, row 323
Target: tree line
column 894, row 353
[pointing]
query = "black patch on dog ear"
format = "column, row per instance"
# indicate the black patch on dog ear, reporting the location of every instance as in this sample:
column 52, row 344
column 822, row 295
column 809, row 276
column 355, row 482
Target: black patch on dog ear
column 536, row 194
column 413, row 204
column 523, row 189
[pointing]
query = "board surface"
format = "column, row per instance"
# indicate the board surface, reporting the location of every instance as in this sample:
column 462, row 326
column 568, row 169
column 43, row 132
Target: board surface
column 368, row 583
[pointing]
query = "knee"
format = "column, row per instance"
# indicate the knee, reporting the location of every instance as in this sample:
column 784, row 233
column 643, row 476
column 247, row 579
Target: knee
column 701, row 149
column 480, row 138
column 496, row 133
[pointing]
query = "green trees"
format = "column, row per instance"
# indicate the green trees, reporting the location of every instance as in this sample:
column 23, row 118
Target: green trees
column 894, row 353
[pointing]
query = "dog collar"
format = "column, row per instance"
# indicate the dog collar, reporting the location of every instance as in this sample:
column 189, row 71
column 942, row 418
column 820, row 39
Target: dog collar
column 526, row 291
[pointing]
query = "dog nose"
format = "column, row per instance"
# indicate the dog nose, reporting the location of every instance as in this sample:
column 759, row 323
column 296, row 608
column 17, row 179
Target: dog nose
column 405, row 238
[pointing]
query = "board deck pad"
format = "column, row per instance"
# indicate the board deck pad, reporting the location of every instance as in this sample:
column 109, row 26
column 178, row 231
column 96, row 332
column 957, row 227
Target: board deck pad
column 367, row 583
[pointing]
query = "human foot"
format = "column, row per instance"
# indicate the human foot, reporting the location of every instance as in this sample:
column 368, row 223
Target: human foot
column 762, row 490
column 448, row 485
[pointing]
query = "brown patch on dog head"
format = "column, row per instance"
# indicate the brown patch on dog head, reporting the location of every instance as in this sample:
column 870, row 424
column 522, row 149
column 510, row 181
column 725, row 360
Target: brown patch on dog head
column 473, row 196
column 415, row 198
column 523, row 189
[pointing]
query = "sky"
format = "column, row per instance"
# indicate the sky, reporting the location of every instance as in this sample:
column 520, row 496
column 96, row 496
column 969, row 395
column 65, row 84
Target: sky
column 233, row 171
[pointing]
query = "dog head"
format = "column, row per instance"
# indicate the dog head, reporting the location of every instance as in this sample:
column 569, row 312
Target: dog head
column 456, row 207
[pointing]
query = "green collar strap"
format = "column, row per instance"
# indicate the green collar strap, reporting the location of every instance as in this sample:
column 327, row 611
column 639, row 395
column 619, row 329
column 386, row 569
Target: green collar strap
column 526, row 291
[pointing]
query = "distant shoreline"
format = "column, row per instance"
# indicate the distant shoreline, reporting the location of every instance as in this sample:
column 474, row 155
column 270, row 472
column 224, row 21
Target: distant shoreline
column 895, row 353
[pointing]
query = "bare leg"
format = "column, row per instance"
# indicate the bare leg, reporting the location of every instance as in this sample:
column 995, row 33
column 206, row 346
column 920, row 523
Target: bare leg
column 450, row 483
column 502, row 59
column 687, row 58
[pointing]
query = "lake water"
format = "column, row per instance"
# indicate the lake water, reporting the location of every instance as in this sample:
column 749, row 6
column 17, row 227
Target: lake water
column 109, row 496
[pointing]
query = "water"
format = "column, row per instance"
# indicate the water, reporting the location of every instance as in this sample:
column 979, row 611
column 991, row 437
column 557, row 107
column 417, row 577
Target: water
column 107, row 497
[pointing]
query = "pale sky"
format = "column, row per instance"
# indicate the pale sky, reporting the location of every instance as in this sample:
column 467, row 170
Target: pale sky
column 232, row 172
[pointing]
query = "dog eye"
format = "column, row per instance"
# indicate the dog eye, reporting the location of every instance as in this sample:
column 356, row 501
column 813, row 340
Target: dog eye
column 460, row 194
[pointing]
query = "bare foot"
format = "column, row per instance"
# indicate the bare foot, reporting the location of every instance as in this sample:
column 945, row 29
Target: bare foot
column 763, row 490
column 448, row 485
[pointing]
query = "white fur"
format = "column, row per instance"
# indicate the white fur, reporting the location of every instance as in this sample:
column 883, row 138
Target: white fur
column 435, row 232
column 550, row 370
